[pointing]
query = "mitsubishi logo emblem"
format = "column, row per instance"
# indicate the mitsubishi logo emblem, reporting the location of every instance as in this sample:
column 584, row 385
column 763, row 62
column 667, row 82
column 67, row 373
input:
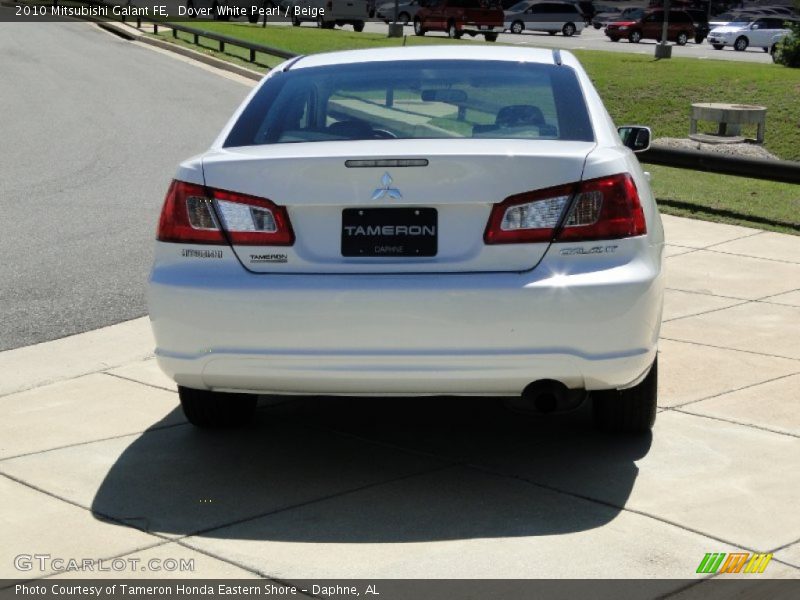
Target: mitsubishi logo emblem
column 382, row 192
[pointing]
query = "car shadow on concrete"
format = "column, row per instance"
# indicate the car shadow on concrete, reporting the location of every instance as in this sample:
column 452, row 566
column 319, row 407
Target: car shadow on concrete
column 374, row 470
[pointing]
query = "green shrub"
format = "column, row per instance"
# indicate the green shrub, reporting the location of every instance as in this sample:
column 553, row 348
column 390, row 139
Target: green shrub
column 787, row 52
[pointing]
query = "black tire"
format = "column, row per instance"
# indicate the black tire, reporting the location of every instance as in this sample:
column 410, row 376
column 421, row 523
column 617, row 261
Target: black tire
column 765, row 49
column 635, row 37
column 295, row 21
column 452, row 31
column 517, row 27
column 490, row 37
column 628, row 411
column 717, row 46
column 216, row 410
column 552, row 32
column 614, row 39
column 569, row 29
column 253, row 15
column 190, row 9
column 741, row 43
column 698, row 39
column 597, row 25
column 418, row 28
column 216, row 16
column 403, row 18
column 682, row 38
column 358, row 26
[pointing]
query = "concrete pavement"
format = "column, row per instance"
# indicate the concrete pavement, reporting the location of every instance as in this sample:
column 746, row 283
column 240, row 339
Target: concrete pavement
column 97, row 461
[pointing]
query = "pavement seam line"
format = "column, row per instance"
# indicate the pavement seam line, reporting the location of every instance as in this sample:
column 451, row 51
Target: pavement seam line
column 108, row 439
column 609, row 505
column 777, row 260
column 674, row 289
column 270, row 513
column 732, row 422
column 156, row 387
column 705, row 312
column 744, row 387
column 555, row 489
column 94, row 513
column 731, row 349
column 736, row 239
column 223, row 559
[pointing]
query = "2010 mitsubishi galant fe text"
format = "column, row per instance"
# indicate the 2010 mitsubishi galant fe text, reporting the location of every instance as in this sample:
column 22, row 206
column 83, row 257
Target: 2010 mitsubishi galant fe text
column 414, row 221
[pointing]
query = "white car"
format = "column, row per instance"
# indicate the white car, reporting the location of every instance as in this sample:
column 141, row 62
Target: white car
column 757, row 34
column 453, row 220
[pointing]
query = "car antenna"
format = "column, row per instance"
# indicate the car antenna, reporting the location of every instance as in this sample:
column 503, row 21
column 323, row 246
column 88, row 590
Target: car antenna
column 557, row 56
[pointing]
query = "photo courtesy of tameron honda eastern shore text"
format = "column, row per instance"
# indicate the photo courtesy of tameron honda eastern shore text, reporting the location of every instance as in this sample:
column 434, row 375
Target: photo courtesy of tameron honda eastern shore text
column 414, row 222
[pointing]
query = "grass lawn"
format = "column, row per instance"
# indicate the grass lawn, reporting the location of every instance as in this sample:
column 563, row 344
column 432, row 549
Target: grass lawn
column 636, row 90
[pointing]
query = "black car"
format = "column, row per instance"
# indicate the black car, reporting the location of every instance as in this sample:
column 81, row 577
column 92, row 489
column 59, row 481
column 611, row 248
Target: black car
column 701, row 27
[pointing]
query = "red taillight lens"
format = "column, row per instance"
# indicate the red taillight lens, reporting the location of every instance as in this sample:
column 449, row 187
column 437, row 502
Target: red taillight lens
column 197, row 215
column 604, row 208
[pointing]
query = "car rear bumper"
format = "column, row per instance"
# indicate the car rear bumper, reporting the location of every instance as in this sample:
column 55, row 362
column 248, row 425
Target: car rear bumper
column 581, row 320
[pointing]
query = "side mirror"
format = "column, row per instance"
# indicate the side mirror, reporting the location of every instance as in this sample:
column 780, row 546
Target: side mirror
column 635, row 137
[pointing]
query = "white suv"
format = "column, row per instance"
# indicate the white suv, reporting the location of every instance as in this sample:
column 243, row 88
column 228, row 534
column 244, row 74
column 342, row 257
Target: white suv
column 758, row 33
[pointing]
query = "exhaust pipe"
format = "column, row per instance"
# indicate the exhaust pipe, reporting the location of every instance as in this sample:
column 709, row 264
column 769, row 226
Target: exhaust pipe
column 546, row 395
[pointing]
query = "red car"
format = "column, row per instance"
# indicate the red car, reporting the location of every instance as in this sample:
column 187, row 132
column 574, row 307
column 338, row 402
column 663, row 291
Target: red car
column 680, row 28
column 457, row 17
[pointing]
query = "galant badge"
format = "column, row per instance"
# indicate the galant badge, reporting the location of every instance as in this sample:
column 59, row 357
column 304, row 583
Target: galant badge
column 383, row 192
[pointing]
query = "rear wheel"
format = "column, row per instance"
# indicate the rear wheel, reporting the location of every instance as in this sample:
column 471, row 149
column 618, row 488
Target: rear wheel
column 682, row 38
column 635, row 37
column 403, row 18
column 614, row 39
column 552, row 32
column 568, row 30
column 698, row 39
column 597, row 25
column 765, row 49
column 215, row 410
column 717, row 46
column 740, row 44
column 490, row 37
column 628, row 411
column 517, row 27
column 190, row 9
column 418, row 28
column 295, row 22
column 358, row 26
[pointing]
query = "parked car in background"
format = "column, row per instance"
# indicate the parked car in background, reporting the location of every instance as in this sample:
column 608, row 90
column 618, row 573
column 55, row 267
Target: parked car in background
column 406, row 11
column 550, row 17
column 336, row 12
column 601, row 20
column 457, row 17
column 757, row 34
column 353, row 231
column 680, row 28
column 701, row 26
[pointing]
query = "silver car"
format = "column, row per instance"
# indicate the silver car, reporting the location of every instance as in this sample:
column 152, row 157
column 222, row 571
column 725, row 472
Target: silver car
column 550, row 17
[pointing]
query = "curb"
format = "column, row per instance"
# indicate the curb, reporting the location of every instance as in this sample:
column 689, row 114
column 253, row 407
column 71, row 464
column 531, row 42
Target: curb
column 132, row 34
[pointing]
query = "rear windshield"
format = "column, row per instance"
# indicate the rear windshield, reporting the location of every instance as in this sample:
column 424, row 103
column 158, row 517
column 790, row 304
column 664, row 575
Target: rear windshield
column 416, row 99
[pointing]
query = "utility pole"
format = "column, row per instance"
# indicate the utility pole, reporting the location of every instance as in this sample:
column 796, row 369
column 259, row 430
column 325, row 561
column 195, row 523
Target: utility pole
column 664, row 50
column 395, row 28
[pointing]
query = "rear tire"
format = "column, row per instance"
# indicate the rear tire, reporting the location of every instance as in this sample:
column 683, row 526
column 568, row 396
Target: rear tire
column 490, row 37
column 568, row 30
column 614, row 39
column 418, row 28
column 216, row 410
column 358, row 26
column 635, row 37
column 403, row 18
column 628, row 411
column 517, row 27
column 741, row 43
column 683, row 37
column 717, row 46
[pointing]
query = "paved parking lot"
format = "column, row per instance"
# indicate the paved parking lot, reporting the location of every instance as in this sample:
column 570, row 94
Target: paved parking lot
column 97, row 461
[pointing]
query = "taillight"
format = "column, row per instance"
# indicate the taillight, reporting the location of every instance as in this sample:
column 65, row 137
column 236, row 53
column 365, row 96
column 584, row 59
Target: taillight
column 603, row 209
column 193, row 214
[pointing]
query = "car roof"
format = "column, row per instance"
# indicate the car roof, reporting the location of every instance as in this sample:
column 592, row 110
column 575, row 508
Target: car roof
column 455, row 52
